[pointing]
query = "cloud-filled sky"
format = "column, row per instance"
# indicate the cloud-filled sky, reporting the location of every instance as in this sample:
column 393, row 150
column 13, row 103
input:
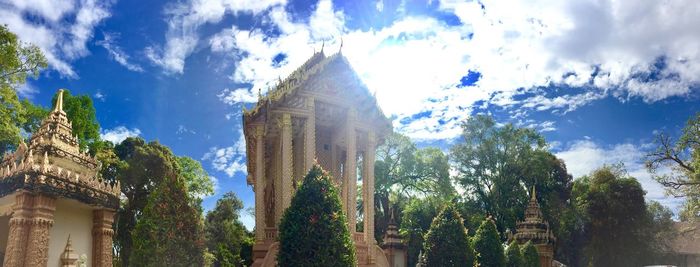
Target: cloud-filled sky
column 597, row 77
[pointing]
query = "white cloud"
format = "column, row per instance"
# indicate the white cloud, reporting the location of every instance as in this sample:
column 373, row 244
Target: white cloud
column 584, row 156
column 230, row 160
column 415, row 64
column 116, row 53
column 185, row 19
column 26, row 90
column 240, row 95
column 118, row 134
column 99, row 96
column 62, row 31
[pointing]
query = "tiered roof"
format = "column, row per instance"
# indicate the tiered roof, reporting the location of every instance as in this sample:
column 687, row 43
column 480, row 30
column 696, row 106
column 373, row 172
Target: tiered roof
column 52, row 163
column 534, row 228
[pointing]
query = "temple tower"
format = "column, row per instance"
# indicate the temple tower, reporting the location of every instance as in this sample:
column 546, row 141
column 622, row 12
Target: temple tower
column 535, row 229
column 393, row 246
column 51, row 191
column 322, row 112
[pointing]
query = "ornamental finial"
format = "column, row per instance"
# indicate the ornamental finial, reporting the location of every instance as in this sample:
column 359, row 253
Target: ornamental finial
column 59, row 102
column 534, row 193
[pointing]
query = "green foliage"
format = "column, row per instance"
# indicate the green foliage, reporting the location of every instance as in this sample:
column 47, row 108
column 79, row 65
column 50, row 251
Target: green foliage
column 141, row 168
column 313, row 230
column 446, row 243
column 417, row 216
column 493, row 164
column 513, row 256
column 403, row 171
column 81, row 113
column 197, row 180
column 487, row 244
column 225, row 233
column 169, row 232
column 530, row 256
column 17, row 61
column 620, row 229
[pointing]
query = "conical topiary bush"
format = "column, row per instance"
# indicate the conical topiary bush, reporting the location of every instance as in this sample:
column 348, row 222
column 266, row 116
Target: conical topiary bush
column 447, row 243
column 530, row 256
column 314, row 229
column 513, row 256
column 487, row 244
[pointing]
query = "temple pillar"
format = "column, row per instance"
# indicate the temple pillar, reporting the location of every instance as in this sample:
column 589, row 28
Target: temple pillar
column 259, row 186
column 39, row 233
column 368, row 184
column 350, row 170
column 286, row 162
column 102, row 233
column 310, row 136
column 19, row 225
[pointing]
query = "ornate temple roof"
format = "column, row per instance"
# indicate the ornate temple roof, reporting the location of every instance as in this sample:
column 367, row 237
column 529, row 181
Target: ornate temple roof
column 52, row 163
column 392, row 239
column 322, row 71
column 534, row 228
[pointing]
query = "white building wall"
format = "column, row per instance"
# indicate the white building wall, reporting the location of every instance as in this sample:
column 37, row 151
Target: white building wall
column 74, row 218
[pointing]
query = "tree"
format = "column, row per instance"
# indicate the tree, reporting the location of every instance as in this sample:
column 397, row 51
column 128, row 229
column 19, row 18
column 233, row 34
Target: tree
column 446, row 243
column 197, row 180
column 487, row 244
column 18, row 60
column 403, row 171
column 169, row 232
column 224, row 231
column 495, row 164
column 314, row 230
column 141, row 169
column 81, row 113
column 513, row 256
column 618, row 224
column 530, row 256
column 415, row 222
column 683, row 158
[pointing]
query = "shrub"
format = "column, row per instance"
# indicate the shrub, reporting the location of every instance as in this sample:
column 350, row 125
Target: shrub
column 530, row 255
column 446, row 243
column 487, row 244
column 513, row 256
column 314, row 230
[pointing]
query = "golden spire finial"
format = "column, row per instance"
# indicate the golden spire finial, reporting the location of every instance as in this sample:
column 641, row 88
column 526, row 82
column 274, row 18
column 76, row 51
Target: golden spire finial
column 59, row 101
column 534, row 193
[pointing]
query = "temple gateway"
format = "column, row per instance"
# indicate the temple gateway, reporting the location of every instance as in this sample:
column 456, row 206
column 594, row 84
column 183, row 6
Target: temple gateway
column 54, row 208
column 322, row 112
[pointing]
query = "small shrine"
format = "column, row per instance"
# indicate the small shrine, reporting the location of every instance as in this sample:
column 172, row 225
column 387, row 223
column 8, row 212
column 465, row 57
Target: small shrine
column 54, row 207
column 536, row 230
column 393, row 246
column 322, row 112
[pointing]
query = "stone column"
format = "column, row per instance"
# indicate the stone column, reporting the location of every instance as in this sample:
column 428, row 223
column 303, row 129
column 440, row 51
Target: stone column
column 19, row 225
column 310, row 136
column 368, row 184
column 259, row 187
column 287, row 163
column 39, row 233
column 102, row 234
column 351, row 170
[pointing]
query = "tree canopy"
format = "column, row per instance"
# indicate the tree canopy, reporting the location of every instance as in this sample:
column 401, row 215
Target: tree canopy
column 225, row 233
column 513, row 256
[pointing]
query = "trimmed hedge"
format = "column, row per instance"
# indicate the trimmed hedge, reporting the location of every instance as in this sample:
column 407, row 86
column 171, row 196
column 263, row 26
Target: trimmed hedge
column 314, row 230
column 447, row 243
column 487, row 244
column 530, row 255
column 513, row 256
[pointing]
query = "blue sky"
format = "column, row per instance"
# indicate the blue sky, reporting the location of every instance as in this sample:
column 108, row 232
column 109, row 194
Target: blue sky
column 597, row 78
